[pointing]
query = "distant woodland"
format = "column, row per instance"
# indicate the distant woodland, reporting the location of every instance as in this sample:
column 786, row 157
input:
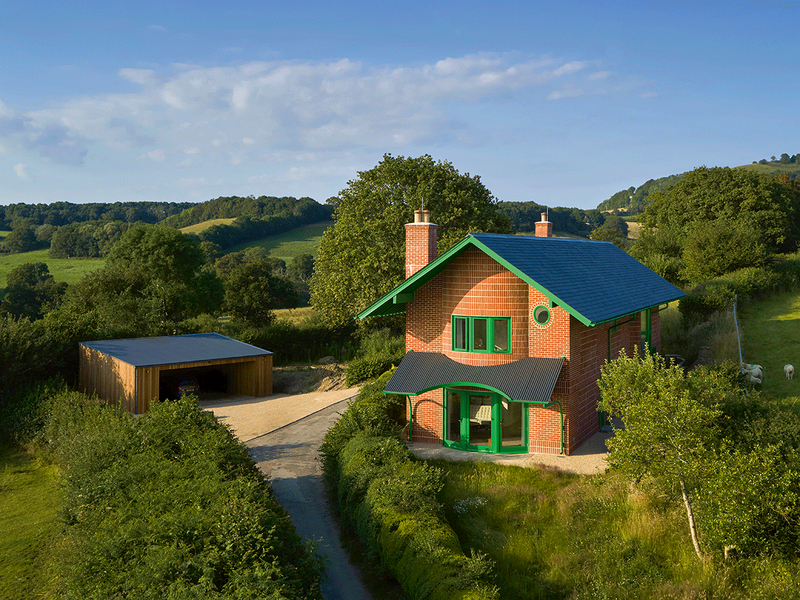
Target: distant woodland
column 90, row 230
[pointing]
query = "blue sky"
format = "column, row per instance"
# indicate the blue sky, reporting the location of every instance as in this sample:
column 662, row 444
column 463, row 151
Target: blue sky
column 560, row 103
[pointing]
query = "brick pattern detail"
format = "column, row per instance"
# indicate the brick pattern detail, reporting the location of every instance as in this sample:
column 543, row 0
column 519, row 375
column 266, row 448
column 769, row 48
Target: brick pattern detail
column 474, row 284
column 420, row 246
column 543, row 229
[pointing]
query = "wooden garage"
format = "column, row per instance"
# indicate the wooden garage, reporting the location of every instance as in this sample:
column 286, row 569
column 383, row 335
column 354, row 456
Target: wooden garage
column 133, row 373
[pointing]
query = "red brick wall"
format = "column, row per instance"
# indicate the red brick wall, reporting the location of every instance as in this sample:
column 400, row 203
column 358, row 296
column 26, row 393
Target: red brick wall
column 476, row 285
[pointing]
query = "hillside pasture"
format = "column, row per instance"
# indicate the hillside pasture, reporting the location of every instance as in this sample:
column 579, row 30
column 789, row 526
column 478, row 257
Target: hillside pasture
column 770, row 330
column 70, row 270
column 198, row 227
column 286, row 246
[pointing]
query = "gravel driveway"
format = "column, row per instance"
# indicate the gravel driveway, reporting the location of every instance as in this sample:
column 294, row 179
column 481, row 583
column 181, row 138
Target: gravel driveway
column 284, row 432
column 293, row 428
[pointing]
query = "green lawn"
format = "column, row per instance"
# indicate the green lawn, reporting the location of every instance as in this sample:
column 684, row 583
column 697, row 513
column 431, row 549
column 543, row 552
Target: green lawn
column 29, row 502
column 770, row 331
column 70, row 270
column 286, row 246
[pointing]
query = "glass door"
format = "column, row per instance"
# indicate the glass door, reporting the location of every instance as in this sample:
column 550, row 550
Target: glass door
column 484, row 422
column 511, row 422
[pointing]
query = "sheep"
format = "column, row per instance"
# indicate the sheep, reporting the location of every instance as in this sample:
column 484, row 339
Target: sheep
column 752, row 379
column 789, row 370
column 754, row 372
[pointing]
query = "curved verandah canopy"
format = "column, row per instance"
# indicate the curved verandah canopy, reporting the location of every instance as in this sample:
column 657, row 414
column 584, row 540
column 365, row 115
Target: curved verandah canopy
column 530, row 379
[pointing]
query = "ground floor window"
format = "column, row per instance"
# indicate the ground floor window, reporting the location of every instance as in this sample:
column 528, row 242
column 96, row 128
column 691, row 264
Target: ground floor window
column 484, row 421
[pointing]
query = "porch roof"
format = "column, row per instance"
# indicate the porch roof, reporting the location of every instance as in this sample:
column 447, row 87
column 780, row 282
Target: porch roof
column 529, row 379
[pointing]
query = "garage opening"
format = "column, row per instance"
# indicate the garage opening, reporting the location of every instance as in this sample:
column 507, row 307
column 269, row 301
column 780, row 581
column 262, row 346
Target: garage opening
column 198, row 381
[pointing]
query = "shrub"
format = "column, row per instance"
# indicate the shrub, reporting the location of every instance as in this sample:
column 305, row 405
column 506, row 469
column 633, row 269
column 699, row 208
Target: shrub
column 380, row 350
column 389, row 499
column 169, row 505
column 717, row 294
column 364, row 369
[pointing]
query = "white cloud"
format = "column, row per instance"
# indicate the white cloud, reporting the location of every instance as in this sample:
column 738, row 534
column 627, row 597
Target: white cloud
column 140, row 76
column 240, row 113
column 566, row 92
column 22, row 172
column 599, row 75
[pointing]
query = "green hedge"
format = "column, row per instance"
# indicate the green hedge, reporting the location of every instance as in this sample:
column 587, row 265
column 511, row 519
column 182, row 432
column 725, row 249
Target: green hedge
column 388, row 497
column 717, row 294
column 168, row 505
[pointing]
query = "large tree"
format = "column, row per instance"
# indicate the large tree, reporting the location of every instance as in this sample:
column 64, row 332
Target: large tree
column 153, row 279
column 31, row 291
column 752, row 200
column 363, row 255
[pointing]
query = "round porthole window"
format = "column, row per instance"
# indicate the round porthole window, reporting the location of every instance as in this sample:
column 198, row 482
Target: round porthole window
column 541, row 314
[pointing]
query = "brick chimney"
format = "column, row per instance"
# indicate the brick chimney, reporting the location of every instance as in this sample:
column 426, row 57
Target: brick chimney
column 544, row 228
column 420, row 242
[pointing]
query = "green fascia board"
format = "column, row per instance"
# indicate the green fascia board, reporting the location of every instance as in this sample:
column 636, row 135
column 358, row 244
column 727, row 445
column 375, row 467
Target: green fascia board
column 554, row 300
column 394, row 302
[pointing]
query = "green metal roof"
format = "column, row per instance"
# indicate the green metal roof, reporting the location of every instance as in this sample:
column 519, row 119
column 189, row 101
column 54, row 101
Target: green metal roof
column 596, row 282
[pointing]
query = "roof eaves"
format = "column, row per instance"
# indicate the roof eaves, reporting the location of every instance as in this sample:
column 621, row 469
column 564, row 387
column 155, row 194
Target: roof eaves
column 633, row 312
column 555, row 300
column 394, row 302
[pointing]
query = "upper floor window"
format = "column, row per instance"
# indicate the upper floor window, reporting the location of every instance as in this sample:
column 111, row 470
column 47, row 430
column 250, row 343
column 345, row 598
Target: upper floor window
column 482, row 334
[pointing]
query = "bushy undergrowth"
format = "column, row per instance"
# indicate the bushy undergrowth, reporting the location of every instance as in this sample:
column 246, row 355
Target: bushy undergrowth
column 718, row 294
column 379, row 351
column 389, row 499
column 557, row 536
column 168, row 505
column 290, row 342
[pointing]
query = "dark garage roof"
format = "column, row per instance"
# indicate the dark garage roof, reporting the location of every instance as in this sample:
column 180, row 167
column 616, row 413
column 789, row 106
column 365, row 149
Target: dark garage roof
column 529, row 379
column 173, row 349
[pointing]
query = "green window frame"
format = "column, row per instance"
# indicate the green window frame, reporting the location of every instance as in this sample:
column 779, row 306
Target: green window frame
column 485, row 335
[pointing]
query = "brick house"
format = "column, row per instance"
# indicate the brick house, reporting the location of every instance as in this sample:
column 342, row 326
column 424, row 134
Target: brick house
column 506, row 335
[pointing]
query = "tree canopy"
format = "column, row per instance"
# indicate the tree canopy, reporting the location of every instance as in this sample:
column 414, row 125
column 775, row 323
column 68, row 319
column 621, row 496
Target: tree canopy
column 31, row 291
column 153, row 279
column 755, row 201
column 363, row 255
column 734, row 458
column 252, row 293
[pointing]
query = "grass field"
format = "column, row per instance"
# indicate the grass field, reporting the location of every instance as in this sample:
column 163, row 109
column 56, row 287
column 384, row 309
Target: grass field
column 198, row 227
column 770, row 332
column 70, row 270
column 304, row 240
column 286, row 246
column 30, row 498
column 293, row 315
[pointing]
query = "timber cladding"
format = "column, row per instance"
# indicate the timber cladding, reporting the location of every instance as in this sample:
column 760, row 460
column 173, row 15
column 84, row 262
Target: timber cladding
column 129, row 373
